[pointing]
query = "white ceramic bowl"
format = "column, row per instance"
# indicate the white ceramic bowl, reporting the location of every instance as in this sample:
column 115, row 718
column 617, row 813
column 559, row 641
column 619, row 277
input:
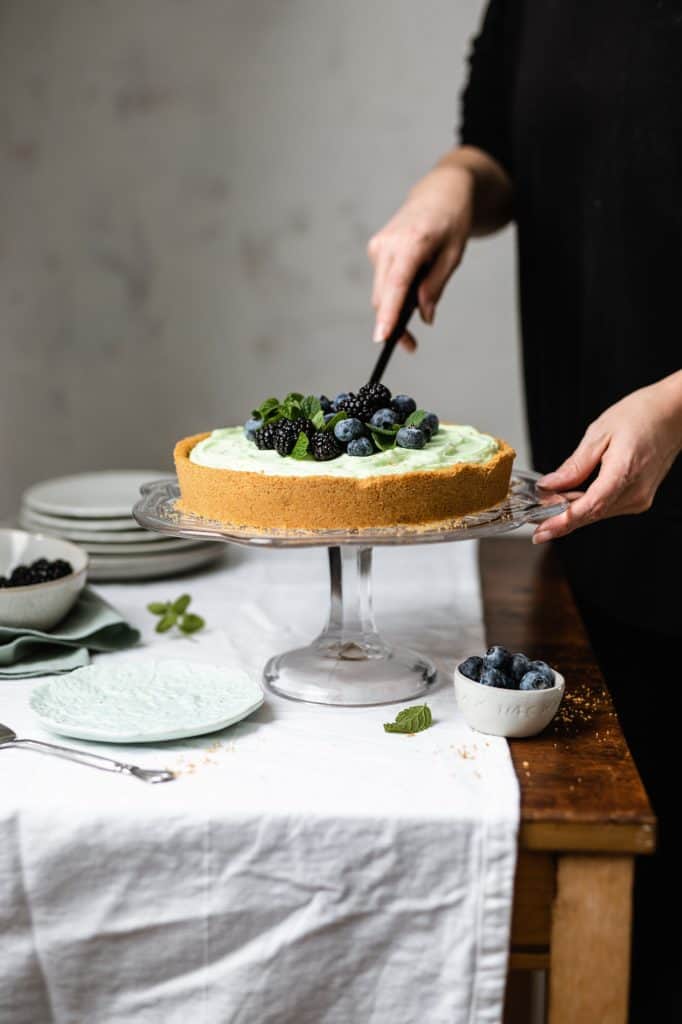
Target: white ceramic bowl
column 511, row 713
column 42, row 605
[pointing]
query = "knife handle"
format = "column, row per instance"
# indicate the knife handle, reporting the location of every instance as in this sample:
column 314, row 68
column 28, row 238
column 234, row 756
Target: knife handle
column 406, row 310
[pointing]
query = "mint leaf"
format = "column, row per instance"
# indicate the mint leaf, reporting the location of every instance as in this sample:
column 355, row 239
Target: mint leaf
column 336, row 418
column 387, row 431
column 265, row 407
column 318, row 420
column 191, row 623
column 167, row 622
column 415, row 418
column 272, row 416
column 310, row 406
column 182, row 604
column 300, row 449
column 158, row 608
column 411, row 720
column 383, row 443
column 291, row 409
column 293, row 396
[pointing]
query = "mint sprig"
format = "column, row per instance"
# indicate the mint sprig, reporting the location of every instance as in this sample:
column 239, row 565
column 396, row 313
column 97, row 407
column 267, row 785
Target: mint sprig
column 174, row 613
column 411, row 720
column 300, row 449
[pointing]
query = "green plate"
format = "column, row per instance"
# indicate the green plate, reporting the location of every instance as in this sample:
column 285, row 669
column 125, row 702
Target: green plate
column 145, row 701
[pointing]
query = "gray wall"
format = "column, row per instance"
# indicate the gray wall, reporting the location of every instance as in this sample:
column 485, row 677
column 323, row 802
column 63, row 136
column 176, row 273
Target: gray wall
column 187, row 188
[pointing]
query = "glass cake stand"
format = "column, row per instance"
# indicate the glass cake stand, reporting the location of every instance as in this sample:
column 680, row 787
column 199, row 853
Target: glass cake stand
column 349, row 663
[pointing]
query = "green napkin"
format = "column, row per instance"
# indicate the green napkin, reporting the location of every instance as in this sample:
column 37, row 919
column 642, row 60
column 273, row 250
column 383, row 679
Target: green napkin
column 91, row 625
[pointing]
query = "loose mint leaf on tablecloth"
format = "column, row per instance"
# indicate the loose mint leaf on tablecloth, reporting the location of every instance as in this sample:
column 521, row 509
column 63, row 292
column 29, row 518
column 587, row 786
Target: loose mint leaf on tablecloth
column 411, row 720
column 415, row 418
column 190, row 623
column 182, row 604
column 318, row 420
column 300, row 449
column 310, row 406
column 158, row 607
column 336, row 418
column 167, row 622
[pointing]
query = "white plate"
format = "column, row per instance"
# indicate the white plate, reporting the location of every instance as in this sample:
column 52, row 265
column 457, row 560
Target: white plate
column 137, row 536
column 150, row 567
column 145, row 701
column 72, row 523
column 90, row 495
column 167, row 545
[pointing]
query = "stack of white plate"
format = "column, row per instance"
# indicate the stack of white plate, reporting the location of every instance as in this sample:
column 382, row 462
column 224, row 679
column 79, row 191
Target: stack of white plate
column 94, row 511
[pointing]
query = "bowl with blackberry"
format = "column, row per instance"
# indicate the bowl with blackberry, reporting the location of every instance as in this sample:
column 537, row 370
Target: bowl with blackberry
column 507, row 694
column 40, row 579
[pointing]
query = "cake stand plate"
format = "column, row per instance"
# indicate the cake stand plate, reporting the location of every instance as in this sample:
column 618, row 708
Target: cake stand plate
column 349, row 663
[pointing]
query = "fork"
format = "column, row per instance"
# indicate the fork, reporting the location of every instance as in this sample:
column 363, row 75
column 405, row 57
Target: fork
column 8, row 738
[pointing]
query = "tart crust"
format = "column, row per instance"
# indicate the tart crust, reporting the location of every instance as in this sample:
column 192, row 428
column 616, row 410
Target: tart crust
column 265, row 501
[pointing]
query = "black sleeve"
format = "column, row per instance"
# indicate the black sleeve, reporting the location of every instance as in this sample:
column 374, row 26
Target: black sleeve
column 485, row 111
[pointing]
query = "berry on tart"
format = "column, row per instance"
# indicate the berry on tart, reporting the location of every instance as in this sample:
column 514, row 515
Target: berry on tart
column 324, row 446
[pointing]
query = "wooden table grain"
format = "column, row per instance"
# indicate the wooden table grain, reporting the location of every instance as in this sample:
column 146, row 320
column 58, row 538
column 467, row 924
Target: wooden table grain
column 584, row 812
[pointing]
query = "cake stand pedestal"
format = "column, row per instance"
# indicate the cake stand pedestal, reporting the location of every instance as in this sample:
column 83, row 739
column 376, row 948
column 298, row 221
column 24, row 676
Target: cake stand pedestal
column 349, row 663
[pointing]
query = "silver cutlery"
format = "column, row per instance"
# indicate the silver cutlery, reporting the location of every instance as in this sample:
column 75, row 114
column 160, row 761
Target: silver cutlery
column 8, row 738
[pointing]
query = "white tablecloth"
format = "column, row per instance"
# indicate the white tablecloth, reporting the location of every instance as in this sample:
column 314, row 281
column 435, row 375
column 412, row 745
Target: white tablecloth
column 305, row 868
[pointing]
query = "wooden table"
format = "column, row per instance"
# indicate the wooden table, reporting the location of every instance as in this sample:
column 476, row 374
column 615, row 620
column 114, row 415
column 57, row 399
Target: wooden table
column 584, row 812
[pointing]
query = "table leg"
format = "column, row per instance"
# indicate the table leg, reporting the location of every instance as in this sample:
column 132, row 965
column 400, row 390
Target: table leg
column 590, row 946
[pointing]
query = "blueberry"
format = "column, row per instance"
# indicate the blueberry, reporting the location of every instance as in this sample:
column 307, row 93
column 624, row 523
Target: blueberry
column 518, row 667
column 341, row 397
column 384, row 418
column 403, row 406
column 251, row 426
column 325, row 403
column 534, row 680
column 430, row 422
column 494, row 677
column 410, row 437
column 471, row 667
column 360, row 446
column 498, row 657
column 543, row 668
column 348, row 430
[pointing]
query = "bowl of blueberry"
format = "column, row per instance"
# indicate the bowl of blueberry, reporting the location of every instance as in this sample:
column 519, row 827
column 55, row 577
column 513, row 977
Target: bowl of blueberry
column 505, row 694
column 40, row 579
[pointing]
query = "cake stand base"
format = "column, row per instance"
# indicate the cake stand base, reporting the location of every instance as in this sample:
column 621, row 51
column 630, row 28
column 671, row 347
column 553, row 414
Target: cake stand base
column 349, row 663
column 306, row 674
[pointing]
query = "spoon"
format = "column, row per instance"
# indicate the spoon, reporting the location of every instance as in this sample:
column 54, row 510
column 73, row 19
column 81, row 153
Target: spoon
column 8, row 738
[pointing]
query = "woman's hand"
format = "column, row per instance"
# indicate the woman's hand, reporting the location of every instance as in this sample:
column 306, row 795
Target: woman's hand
column 636, row 441
column 432, row 227
column 467, row 193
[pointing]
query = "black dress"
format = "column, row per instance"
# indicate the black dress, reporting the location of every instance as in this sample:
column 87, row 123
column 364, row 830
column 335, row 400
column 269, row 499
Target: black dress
column 581, row 103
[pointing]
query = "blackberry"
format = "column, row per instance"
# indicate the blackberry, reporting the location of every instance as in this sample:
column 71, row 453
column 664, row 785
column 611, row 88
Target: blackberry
column 357, row 408
column 40, row 571
column 265, row 437
column 377, row 395
column 304, row 426
column 286, row 436
column 324, row 446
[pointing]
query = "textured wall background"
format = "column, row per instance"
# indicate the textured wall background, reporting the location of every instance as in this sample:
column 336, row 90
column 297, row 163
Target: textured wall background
column 187, row 188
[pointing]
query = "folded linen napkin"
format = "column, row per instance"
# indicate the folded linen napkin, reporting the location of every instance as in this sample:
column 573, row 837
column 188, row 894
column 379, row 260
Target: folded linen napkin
column 91, row 625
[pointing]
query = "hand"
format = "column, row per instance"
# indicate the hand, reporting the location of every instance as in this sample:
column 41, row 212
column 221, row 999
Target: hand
column 432, row 227
column 636, row 441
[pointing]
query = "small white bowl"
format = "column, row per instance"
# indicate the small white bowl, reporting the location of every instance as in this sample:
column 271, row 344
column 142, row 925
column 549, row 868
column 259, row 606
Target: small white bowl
column 511, row 713
column 41, row 605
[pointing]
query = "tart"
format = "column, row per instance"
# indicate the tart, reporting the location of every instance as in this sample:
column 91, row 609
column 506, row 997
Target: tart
column 225, row 476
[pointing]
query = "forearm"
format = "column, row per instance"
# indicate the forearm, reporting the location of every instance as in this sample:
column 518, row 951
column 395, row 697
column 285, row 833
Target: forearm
column 670, row 391
column 467, row 167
